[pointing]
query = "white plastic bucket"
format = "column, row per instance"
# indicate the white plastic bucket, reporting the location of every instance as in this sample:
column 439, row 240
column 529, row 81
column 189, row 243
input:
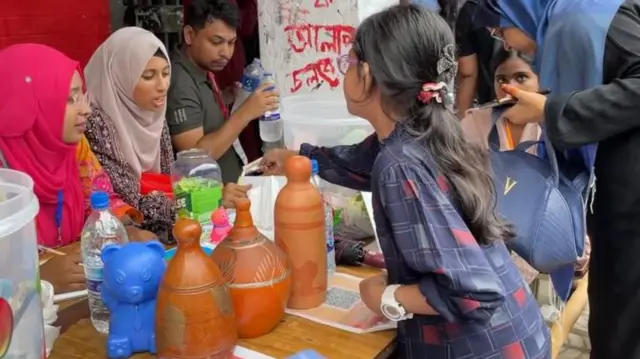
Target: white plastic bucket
column 21, row 324
column 321, row 120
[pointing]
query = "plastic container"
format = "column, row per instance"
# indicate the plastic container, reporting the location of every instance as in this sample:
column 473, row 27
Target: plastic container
column 21, row 324
column 322, row 121
column 197, row 188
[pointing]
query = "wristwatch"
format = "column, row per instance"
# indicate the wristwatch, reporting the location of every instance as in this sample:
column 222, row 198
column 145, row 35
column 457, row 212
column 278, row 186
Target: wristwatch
column 390, row 307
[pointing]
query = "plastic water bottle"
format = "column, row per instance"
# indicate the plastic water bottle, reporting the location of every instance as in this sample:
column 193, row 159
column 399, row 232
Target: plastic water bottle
column 102, row 228
column 270, row 123
column 328, row 219
column 250, row 81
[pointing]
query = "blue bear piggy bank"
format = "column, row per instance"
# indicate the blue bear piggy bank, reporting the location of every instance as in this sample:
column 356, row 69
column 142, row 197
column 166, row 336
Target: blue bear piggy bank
column 131, row 277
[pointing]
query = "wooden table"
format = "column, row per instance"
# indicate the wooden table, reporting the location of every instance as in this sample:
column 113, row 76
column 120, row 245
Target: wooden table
column 80, row 341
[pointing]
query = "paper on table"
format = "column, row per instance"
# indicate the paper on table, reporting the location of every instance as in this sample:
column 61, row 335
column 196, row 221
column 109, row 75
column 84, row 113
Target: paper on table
column 244, row 353
column 343, row 308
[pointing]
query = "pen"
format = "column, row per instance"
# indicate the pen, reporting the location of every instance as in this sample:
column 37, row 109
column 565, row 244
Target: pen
column 51, row 250
column 506, row 101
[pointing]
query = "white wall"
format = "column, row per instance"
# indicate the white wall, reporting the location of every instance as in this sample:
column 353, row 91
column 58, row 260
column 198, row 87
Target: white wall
column 300, row 40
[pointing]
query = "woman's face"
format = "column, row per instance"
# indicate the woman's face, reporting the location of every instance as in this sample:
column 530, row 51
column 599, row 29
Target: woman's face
column 354, row 84
column 75, row 116
column 515, row 39
column 150, row 93
column 517, row 73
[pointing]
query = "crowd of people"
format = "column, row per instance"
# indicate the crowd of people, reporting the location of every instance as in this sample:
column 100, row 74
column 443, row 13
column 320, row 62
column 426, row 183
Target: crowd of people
column 416, row 71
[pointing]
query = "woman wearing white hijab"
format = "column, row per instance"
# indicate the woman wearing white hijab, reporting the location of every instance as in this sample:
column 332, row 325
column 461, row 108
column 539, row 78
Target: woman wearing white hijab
column 127, row 79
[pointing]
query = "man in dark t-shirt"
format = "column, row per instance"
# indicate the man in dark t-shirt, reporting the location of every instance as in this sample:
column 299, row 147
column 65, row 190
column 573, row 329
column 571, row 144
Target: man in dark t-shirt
column 197, row 115
column 476, row 48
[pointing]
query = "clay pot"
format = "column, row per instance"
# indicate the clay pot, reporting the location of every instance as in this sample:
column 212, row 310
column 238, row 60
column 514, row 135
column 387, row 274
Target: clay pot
column 257, row 274
column 194, row 313
column 300, row 232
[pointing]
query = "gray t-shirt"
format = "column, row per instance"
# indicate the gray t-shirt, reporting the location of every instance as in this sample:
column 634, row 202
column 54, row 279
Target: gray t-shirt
column 192, row 104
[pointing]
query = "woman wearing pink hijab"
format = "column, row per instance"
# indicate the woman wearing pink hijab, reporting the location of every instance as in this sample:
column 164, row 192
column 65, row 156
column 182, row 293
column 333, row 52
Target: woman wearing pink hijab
column 42, row 122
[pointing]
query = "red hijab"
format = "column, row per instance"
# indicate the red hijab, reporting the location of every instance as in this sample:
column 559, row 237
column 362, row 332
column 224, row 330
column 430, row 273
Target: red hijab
column 33, row 102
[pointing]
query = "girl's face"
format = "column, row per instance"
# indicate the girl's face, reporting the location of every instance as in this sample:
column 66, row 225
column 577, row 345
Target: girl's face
column 356, row 83
column 517, row 73
column 150, row 93
column 515, row 39
column 75, row 116
column 352, row 83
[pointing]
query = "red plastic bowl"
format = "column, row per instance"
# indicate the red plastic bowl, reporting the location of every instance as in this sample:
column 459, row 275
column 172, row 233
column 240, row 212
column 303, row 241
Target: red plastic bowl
column 150, row 182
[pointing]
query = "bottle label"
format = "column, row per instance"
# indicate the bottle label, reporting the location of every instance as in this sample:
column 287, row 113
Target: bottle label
column 272, row 116
column 94, row 286
column 198, row 204
column 249, row 83
column 94, row 279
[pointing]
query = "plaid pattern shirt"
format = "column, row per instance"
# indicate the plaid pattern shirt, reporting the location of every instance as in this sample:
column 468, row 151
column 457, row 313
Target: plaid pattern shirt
column 486, row 310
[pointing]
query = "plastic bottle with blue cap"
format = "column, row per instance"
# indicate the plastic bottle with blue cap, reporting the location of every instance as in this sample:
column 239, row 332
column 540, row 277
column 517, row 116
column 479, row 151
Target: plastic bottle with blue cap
column 328, row 217
column 101, row 228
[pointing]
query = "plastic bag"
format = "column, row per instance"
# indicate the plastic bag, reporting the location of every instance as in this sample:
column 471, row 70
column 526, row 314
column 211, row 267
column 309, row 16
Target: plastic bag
column 350, row 218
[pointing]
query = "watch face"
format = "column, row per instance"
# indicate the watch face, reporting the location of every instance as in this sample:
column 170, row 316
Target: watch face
column 391, row 312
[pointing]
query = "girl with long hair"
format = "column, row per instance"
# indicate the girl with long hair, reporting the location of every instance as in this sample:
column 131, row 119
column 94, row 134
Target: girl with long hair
column 450, row 282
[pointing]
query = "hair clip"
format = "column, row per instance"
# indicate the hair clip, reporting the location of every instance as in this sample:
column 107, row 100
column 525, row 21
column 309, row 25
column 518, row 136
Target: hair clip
column 431, row 91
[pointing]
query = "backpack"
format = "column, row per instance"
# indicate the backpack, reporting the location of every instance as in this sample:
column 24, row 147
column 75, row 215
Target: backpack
column 545, row 200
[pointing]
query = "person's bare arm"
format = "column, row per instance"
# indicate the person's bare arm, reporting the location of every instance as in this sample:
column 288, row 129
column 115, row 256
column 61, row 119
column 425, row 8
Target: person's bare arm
column 216, row 142
column 467, row 83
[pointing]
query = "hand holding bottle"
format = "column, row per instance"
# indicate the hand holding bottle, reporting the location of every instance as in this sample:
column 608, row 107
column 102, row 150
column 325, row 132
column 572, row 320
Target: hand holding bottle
column 264, row 98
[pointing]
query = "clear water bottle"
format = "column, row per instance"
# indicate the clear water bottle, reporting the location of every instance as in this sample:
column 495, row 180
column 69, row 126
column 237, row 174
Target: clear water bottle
column 328, row 218
column 102, row 228
column 250, row 81
column 270, row 123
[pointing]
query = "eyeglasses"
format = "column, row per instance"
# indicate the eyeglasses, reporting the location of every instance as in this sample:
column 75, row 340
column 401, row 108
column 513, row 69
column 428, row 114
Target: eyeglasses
column 496, row 34
column 344, row 62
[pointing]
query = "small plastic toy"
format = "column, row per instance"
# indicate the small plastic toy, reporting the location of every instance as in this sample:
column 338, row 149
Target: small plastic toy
column 131, row 277
column 221, row 225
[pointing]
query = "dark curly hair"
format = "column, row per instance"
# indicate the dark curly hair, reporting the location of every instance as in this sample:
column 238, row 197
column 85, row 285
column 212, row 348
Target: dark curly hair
column 200, row 13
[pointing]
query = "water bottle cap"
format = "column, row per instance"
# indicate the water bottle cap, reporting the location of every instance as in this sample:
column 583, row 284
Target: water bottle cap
column 257, row 61
column 314, row 167
column 99, row 200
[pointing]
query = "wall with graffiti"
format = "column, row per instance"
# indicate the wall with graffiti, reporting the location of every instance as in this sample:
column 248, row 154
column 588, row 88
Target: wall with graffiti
column 300, row 40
